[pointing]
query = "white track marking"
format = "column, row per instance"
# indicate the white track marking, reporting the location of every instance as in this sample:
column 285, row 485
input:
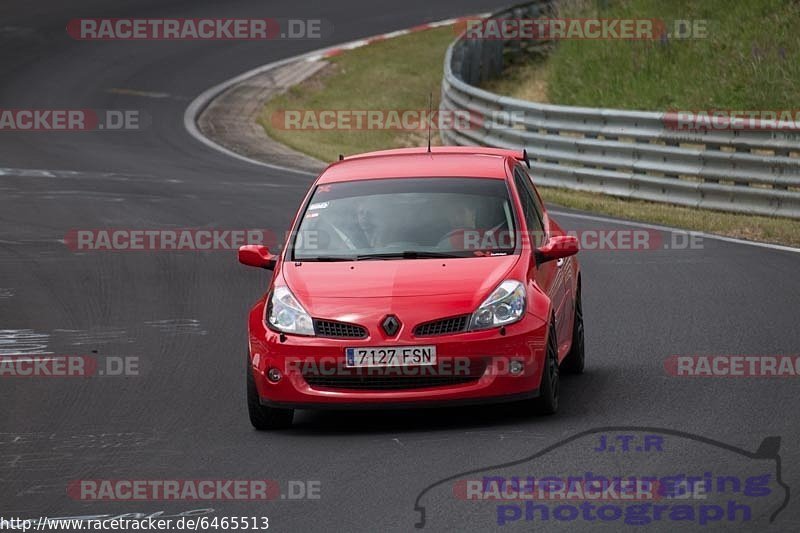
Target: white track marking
column 23, row 342
column 203, row 99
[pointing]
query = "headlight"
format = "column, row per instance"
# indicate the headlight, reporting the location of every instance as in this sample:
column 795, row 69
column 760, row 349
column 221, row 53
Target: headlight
column 286, row 313
column 504, row 306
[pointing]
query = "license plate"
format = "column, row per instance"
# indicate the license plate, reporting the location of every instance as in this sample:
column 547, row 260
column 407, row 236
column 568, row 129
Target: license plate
column 391, row 356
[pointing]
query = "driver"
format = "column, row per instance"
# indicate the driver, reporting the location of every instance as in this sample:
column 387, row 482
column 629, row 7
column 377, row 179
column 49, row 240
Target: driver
column 461, row 216
column 461, row 221
column 367, row 234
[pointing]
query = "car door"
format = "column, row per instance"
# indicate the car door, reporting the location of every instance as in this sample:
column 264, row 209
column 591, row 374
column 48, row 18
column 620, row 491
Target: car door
column 549, row 276
column 566, row 282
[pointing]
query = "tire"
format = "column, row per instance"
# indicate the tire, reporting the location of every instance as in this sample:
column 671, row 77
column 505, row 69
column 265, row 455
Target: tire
column 547, row 401
column 263, row 417
column 574, row 362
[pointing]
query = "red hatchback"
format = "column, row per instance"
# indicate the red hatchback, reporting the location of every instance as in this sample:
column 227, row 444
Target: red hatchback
column 414, row 278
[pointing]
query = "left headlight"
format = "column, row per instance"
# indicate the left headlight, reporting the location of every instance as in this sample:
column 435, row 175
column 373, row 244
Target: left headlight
column 287, row 315
column 505, row 305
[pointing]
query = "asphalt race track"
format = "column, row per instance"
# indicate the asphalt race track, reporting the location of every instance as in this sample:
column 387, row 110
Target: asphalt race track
column 182, row 314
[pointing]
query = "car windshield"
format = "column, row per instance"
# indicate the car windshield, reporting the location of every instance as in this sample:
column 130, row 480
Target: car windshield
column 406, row 218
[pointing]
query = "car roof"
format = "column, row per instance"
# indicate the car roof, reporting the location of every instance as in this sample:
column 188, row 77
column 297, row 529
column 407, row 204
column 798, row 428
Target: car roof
column 441, row 161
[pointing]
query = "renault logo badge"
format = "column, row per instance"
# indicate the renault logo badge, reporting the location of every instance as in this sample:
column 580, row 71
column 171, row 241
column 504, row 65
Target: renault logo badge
column 391, row 325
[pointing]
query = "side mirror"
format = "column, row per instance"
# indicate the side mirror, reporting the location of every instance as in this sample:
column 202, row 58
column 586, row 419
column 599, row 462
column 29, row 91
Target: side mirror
column 557, row 247
column 256, row 255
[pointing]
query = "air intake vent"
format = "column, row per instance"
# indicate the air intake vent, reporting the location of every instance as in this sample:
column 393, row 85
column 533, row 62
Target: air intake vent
column 338, row 330
column 444, row 326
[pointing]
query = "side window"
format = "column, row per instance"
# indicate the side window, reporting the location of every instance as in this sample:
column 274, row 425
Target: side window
column 537, row 201
column 529, row 201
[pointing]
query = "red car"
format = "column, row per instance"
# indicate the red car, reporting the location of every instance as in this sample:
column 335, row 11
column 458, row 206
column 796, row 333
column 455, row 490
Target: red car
column 415, row 278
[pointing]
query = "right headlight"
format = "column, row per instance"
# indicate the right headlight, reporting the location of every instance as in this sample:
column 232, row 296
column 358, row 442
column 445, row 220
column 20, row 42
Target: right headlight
column 286, row 314
column 504, row 306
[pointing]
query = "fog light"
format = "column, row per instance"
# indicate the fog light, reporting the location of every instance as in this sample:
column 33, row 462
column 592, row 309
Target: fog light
column 274, row 375
column 516, row 367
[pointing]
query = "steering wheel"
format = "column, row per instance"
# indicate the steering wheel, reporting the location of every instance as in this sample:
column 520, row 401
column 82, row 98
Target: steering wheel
column 450, row 234
column 446, row 239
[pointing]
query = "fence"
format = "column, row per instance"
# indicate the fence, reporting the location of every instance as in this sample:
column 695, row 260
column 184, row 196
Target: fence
column 622, row 153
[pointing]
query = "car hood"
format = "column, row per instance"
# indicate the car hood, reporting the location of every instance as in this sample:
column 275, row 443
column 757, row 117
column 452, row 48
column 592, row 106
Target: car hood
column 397, row 278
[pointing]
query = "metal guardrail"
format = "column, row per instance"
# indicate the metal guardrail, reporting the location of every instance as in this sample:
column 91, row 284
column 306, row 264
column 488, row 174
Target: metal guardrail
column 621, row 153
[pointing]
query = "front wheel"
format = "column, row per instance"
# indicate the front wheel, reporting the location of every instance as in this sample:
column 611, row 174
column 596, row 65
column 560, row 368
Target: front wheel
column 261, row 416
column 547, row 401
column 574, row 362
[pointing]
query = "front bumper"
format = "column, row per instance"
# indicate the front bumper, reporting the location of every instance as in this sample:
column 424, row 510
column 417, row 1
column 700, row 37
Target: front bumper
column 480, row 363
column 403, row 404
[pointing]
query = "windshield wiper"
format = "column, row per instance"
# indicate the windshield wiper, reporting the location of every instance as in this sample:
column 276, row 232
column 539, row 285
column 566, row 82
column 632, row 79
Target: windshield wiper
column 407, row 254
column 327, row 258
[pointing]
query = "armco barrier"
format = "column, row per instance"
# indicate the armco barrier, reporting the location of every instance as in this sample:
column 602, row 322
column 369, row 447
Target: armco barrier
column 622, row 153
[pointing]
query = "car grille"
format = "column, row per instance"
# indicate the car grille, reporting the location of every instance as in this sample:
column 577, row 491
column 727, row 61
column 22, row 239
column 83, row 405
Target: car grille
column 341, row 330
column 443, row 326
column 395, row 378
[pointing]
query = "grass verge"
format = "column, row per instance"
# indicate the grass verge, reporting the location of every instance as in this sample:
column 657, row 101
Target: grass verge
column 400, row 73
column 746, row 60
